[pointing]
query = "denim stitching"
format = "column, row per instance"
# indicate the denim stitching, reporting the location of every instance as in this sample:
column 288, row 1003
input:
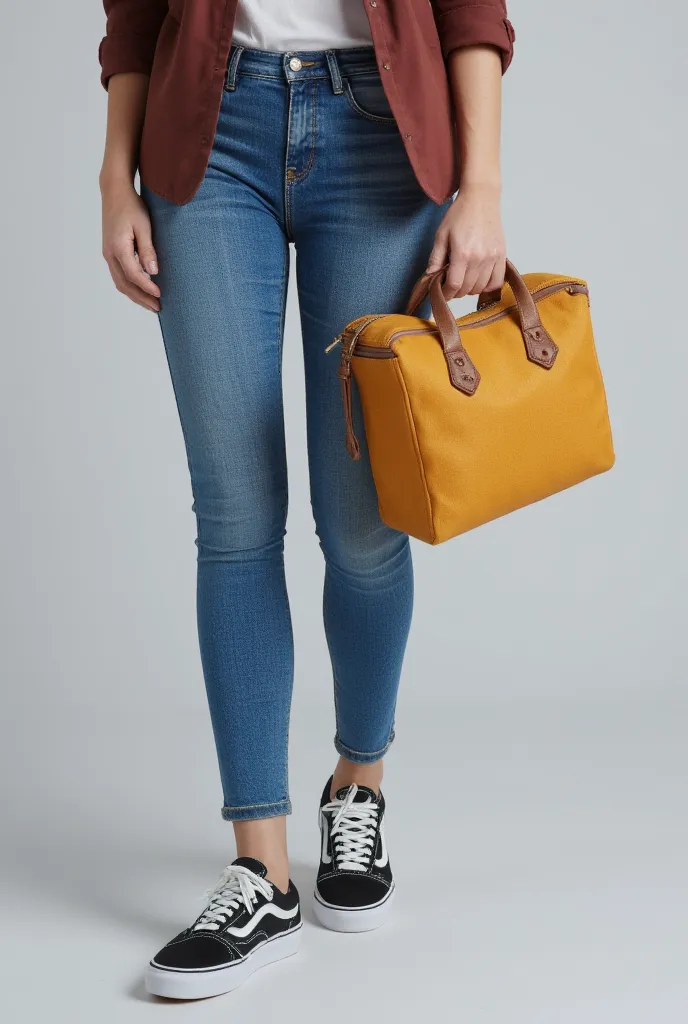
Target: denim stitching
column 335, row 71
column 270, row 78
column 316, row 76
column 274, row 811
column 311, row 155
column 364, row 113
column 285, row 769
column 287, row 192
column 253, row 807
column 376, row 754
column 336, row 700
column 283, row 307
column 232, row 69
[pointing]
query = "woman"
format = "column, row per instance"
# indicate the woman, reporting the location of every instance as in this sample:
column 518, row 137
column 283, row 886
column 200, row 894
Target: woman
column 328, row 124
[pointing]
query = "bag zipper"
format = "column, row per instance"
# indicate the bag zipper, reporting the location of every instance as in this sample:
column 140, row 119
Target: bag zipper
column 357, row 330
column 344, row 374
column 349, row 343
column 372, row 352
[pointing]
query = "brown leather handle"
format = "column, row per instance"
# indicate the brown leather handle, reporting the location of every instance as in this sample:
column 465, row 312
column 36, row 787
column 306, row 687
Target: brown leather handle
column 462, row 373
column 540, row 347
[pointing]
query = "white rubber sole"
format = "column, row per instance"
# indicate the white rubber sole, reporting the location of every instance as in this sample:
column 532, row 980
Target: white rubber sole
column 201, row 984
column 365, row 919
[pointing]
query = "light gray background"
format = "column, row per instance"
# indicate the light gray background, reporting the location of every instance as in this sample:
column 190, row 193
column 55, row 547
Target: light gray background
column 541, row 729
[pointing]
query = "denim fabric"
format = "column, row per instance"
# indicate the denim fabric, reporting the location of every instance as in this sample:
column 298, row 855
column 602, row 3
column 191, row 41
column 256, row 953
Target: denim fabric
column 311, row 157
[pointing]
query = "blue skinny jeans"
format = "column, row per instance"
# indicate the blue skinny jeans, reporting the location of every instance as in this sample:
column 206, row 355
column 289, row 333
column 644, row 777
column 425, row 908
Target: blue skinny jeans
column 306, row 152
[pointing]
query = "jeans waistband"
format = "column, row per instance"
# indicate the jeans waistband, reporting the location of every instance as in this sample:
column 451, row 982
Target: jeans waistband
column 297, row 65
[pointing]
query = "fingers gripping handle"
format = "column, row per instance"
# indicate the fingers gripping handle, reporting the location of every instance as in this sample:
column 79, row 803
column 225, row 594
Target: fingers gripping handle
column 540, row 347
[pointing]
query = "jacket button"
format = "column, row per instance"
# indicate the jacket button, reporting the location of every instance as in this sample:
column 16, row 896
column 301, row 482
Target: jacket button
column 373, row 3
column 387, row 67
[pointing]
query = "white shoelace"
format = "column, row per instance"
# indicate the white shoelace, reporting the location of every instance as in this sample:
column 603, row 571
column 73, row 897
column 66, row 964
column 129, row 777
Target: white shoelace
column 354, row 828
column 235, row 886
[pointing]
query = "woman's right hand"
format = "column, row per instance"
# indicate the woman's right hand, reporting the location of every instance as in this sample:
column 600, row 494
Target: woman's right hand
column 128, row 245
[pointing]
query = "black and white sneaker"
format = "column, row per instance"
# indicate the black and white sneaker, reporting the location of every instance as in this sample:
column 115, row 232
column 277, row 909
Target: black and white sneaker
column 247, row 924
column 354, row 888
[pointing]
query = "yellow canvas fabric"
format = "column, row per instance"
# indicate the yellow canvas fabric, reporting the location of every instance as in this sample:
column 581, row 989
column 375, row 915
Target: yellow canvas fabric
column 445, row 462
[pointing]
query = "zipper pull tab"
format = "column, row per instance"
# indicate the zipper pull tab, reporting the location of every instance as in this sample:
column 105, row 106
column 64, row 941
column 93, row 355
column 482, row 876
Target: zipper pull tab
column 344, row 374
column 334, row 343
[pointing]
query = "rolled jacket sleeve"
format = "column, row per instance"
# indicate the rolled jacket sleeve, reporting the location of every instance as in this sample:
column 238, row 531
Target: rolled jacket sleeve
column 131, row 35
column 474, row 23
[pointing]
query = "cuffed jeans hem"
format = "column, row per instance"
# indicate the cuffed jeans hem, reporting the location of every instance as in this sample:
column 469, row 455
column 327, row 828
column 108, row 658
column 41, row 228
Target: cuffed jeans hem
column 357, row 755
column 255, row 811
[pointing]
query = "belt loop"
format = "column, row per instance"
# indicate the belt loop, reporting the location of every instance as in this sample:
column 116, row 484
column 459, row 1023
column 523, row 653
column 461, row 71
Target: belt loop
column 335, row 74
column 230, row 80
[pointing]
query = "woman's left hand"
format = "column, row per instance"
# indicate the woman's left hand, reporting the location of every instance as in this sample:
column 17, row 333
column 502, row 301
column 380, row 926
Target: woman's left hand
column 471, row 240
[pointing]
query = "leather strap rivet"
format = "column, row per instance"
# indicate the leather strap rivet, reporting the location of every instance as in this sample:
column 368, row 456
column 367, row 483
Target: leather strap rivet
column 459, row 361
column 467, row 377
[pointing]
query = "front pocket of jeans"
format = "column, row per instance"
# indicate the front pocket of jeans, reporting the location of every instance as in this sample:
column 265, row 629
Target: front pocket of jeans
column 366, row 96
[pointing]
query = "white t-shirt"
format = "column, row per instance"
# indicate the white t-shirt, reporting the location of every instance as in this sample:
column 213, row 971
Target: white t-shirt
column 301, row 24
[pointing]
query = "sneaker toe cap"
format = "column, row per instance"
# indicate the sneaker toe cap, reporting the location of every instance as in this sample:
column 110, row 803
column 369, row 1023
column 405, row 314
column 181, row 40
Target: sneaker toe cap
column 193, row 953
column 352, row 890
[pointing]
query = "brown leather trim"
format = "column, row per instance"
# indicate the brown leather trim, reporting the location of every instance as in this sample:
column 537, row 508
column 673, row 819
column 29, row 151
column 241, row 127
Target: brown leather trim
column 348, row 342
column 352, row 445
column 540, row 347
column 486, row 299
column 572, row 287
column 458, row 361
column 489, row 298
column 420, row 290
column 371, row 352
column 462, row 373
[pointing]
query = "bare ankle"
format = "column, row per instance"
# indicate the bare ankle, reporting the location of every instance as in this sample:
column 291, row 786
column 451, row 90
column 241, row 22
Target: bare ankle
column 265, row 839
column 348, row 773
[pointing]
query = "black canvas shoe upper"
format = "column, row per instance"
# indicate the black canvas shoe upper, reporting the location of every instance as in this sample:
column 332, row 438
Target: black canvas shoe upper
column 244, row 910
column 354, row 864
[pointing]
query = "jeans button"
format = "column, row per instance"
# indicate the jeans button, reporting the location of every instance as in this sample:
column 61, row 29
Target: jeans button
column 295, row 64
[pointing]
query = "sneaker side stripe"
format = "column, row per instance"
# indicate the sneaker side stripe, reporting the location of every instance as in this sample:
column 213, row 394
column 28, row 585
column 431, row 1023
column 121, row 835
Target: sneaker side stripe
column 241, row 959
column 268, row 908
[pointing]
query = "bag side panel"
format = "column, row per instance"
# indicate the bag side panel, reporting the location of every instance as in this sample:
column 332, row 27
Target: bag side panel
column 403, row 497
column 525, row 434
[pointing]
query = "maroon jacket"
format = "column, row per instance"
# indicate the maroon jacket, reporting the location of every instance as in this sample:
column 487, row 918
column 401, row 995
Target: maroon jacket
column 184, row 46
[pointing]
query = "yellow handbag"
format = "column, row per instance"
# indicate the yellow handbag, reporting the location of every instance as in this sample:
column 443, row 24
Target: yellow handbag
column 469, row 419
